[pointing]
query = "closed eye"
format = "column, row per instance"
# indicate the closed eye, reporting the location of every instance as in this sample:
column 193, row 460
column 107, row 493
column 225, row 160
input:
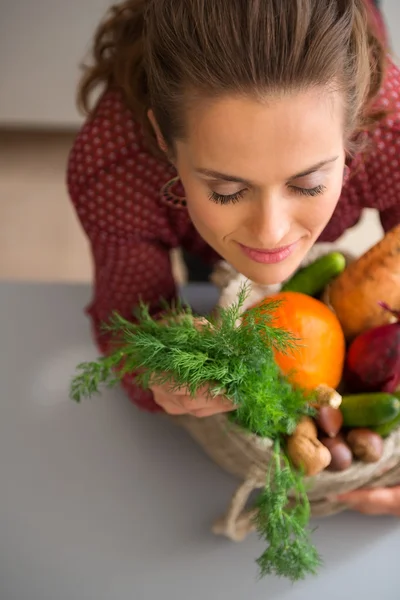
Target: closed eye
column 227, row 199
column 315, row 191
column 237, row 196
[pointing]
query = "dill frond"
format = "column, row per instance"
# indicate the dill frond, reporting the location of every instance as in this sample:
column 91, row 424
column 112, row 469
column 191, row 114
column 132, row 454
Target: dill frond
column 237, row 360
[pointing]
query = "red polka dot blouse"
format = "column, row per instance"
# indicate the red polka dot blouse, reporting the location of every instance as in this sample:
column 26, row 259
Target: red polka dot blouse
column 115, row 185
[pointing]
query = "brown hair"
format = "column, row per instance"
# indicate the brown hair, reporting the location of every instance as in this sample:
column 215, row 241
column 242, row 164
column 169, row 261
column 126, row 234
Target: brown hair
column 156, row 51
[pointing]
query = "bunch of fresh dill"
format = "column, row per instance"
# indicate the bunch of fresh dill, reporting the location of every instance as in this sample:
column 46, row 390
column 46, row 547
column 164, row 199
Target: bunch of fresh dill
column 235, row 356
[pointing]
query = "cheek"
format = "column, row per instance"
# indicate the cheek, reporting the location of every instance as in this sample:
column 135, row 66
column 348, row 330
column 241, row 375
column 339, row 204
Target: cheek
column 315, row 213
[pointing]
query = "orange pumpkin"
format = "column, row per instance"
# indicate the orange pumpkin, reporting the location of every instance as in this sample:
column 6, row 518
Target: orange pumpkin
column 319, row 357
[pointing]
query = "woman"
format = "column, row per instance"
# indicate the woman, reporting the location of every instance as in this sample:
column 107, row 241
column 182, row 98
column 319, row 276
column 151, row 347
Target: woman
column 242, row 130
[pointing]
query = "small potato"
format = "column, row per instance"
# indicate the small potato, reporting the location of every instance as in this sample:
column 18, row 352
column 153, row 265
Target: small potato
column 366, row 445
column 342, row 456
column 329, row 420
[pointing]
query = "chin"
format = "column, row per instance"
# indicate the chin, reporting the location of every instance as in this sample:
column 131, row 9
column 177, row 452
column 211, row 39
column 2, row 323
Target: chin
column 266, row 275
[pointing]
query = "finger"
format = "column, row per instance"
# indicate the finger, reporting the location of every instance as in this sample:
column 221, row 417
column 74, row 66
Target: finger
column 218, row 404
column 168, row 402
column 373, row 502
column 169, row 385
column 200, row 322
column 173, row 409
column 204, row 390
column 212, row 410
column 170, row 389
column 358, row 497
column 195, row 404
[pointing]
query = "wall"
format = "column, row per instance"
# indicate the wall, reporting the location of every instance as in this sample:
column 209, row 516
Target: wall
column 42, row 43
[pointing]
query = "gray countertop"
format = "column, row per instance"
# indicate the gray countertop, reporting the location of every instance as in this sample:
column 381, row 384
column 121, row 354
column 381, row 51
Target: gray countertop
column 104, row 502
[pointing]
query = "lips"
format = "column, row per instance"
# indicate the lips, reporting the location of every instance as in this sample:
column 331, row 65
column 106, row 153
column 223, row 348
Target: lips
column 269, row 251
column 268, row 256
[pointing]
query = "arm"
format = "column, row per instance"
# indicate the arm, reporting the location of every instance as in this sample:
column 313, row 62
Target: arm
column 375, row 174
column 130, row 237
column 125, row 273
column 382, row 173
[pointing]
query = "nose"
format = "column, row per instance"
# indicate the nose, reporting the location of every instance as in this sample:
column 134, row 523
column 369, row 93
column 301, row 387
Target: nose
column 270, row 221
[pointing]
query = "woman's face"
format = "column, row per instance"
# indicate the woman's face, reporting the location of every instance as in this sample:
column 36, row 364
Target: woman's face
column 263, row 179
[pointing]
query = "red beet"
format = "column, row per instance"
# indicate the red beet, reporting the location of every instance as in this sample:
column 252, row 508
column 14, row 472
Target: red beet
column 373, row 359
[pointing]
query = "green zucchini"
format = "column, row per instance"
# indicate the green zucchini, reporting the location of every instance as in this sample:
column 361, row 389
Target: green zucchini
column 369, row 410
column 387, row 428
column 313, row 279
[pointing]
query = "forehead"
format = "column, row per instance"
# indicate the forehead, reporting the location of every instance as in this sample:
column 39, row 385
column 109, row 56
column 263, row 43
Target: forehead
column 248, row 136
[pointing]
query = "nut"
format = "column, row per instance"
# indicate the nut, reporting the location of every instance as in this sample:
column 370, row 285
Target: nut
column 329, row 420
column 308, row 454
column 307, row 428
column 366, row 445
column 342, row 457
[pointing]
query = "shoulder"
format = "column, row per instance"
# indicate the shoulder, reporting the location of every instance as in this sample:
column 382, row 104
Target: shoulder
column 386, row 130
column 373, row 178
column 113, row 138
column 376, row 170
column 115, row 181
column 388, row 102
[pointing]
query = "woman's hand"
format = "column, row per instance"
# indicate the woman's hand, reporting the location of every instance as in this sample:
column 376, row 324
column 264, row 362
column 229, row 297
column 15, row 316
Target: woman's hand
column 378, row 501
column 181, row 403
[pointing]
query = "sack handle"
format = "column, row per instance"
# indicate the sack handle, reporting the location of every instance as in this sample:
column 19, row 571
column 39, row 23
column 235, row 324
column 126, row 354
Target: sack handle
column 238, row 521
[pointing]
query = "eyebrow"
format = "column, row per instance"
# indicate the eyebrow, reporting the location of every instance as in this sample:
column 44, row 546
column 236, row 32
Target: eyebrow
column 235, row 179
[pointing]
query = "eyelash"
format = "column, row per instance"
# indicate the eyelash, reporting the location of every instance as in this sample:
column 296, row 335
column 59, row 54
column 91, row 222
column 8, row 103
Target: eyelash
column 233, row 198
column 315, row 191
column 229, row 199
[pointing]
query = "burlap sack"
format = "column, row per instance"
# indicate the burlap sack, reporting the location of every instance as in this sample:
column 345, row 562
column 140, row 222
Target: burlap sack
column 247, row 457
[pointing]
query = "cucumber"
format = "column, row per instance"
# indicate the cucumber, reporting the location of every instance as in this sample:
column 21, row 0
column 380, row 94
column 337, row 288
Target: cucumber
column 313, row 279
column 369, row 410
column 387, row 428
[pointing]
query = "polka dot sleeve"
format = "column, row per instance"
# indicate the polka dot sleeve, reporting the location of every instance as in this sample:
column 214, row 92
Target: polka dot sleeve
column 373, row 179
column 379, row 175
column 125, row 273
column 116, row 200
